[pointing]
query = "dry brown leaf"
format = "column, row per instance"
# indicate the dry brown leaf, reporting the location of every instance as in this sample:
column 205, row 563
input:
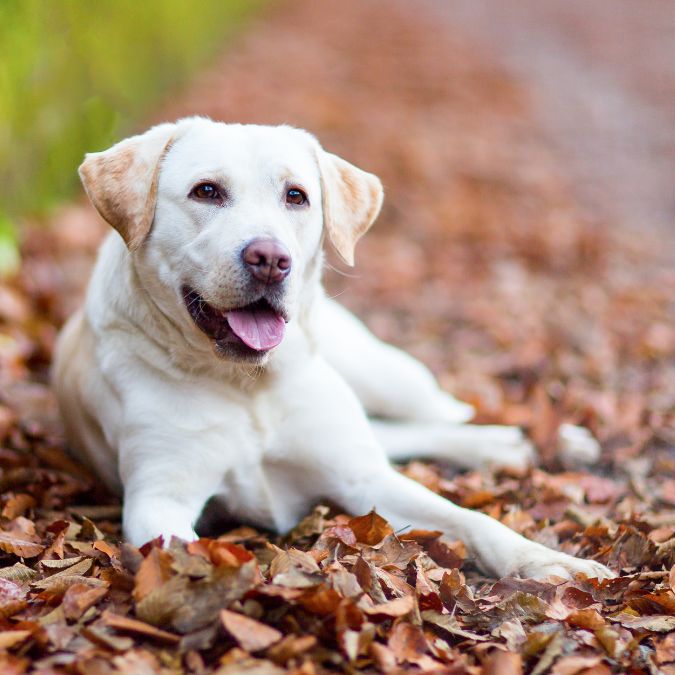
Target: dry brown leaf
column 290, row 647
column 321, row 600
column 407, row 642
column 17, row 505
column 575, row 598
column 220, row 552
column 100, row 635
column 449, row 623
column 12, row 638
column 448, row 554
column 76, row 566
column 12, row 598
column 552, row 651
column 199, row 601
column 656, row 623
column 500, row 662
column 154, row 571
column 105, row 547
column 59, row 564
column 588, row 619
column 571, row 665
column 19, row 572
column 370, row 529
column 393, row 608
column 124, row 624
column 384, row 657
column 79, row 598
column 58, row 583
column 18, row 546
column 665, row 649
column 454, row 592
column 252, row 635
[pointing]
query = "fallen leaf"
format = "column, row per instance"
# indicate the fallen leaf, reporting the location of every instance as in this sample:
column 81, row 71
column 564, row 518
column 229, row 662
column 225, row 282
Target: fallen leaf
column 656, row 623
column 321, row 600
column 17, row 505
column 12, row 598
column 665, row 649
column 154, row 571
column 251, row 635
column 19, row 547
column 499, row 662
column 407, row 642
column 589, row 619
column 449, row 623
column 393, row 608
column 19, row 572
column 370, row 529
column 100, row 635
column 79, row 598
column 290, row 647
column 124, row 624
column 571, row 665
column 12, row 638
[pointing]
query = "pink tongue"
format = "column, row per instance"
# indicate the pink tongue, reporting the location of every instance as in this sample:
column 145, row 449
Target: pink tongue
column 258, row 328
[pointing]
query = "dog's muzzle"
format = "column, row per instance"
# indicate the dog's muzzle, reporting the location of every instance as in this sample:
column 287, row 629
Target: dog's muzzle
column 257, row 326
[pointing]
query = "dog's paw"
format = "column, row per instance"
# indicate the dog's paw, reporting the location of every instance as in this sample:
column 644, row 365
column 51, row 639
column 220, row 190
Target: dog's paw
column 577, row 445
column 538, row 564
column 452, row 411
column 506, row 446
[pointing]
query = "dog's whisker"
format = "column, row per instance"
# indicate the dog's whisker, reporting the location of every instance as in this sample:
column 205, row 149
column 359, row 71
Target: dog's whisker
column 337, row 295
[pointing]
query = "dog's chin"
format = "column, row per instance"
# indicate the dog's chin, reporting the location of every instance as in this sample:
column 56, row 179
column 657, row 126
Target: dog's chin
column 240, row 353
column 248, row 333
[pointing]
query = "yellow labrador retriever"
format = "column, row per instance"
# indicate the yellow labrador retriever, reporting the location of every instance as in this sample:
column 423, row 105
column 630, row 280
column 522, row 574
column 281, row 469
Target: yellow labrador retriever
column 208, row 362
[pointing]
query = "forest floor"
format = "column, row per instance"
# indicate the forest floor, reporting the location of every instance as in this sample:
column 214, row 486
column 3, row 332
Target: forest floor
column 488, row 265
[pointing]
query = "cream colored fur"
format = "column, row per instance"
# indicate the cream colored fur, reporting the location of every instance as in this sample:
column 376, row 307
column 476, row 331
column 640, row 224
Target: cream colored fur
column 169, row 422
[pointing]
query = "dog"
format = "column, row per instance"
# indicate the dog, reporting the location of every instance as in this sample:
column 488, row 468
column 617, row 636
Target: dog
column 208, row 362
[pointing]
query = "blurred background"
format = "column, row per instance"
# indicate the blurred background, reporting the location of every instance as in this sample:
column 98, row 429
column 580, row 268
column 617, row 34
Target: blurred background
column 526, row 248
column 75, row 76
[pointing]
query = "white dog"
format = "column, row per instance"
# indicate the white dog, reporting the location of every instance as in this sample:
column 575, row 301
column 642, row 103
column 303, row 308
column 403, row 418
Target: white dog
column 208, row 362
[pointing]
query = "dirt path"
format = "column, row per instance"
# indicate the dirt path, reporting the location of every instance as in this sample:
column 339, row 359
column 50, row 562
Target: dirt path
column 525, row 293
column 601, row 80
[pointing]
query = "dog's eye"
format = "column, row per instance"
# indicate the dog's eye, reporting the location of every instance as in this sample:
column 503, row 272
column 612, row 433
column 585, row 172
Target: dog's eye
column 206, row 191
column 296, row 196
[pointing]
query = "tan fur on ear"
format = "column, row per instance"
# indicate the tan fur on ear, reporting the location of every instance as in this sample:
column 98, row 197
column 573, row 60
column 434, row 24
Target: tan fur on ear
column 122, row 181
column 352, row 199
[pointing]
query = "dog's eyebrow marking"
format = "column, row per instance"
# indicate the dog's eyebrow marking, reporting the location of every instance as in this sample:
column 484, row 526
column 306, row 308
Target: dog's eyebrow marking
column 285, row 175
column 215, row 174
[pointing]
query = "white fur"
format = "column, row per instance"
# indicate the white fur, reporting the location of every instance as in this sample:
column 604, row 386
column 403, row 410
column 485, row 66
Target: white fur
column 157, row 413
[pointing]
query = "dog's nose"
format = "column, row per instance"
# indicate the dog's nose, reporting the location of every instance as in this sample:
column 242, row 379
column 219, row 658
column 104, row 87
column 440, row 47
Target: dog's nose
column 268, row 260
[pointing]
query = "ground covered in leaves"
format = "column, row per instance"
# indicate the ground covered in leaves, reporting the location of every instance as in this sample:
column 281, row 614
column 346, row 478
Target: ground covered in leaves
column 484, row 264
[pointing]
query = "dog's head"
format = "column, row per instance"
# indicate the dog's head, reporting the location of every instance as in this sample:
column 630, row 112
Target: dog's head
column 226, row 221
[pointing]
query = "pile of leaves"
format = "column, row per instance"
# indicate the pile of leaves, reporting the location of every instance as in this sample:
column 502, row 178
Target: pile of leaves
column 338, row 593
column 487, row 266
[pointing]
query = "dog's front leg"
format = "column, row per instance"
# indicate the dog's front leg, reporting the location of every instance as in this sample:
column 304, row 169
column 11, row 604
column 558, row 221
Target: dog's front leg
column 336, row 455
column 495, row 548
column 166, row 483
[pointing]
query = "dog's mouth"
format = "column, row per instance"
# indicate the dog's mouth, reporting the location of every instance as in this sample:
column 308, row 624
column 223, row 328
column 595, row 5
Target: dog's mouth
column 257, row 326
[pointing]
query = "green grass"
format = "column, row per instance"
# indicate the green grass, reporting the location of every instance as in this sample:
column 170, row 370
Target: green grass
column 77, row 74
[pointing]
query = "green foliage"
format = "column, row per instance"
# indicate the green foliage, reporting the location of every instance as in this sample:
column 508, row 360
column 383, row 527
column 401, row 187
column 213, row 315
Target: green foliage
column 76, row 74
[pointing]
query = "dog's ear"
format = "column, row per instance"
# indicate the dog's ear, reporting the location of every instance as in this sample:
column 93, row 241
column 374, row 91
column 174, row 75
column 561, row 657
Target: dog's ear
column 122, row 181
column 351, row 201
